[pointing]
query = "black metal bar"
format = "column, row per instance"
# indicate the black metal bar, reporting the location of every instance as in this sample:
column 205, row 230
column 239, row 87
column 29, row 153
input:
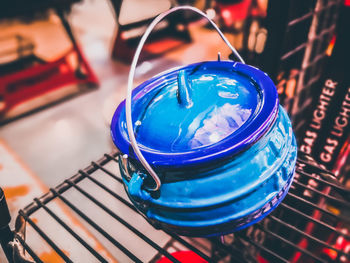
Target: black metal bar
column 300, row 19
column 230, row 249
column 6, row 234
column 306, row 235
column 189, row 246
column 294, row 50
column 321, row 223
column 286, row 241
column 28, row 249
column 335, row 186
column 116, row 6
column 303, row 45
column 310, row 14
column 234, row 251
column 61, row 188
column 311, row 82
column 126, row 224
column 109, row 191
column 276, row 25
column 45, row 237
column 70, row 231
column 125, row 202
column 329, row 197
column 110, row 157
column 309, row 163
column 97, row 227
column 62, row 15
column 339, row 217
column 265, row 249
column 312, row 63
column 107, row 172
column 182, row 241
column 320, row 47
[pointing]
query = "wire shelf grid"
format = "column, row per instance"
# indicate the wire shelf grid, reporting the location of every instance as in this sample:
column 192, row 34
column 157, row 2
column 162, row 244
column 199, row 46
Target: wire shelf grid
column 304, row 228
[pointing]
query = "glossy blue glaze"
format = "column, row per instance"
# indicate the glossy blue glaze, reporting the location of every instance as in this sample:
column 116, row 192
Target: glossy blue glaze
column 198, row 114
column 223, row 148
column 227, row 198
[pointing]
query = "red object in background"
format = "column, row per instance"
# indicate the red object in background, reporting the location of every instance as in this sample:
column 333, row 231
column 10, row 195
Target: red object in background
column 340, row 243
column 260, row 259
column 347, row 2
column 32, row 82
column 231, row 13
column 124, row 50
column 344, row 155
column 184, row 257
column 238, row 11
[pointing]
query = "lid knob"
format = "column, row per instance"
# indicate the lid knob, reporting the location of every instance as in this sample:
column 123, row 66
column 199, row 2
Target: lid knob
column 184, row 91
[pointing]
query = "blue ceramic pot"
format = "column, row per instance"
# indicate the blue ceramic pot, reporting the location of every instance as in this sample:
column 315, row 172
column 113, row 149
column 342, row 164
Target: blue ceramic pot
column 219, row 141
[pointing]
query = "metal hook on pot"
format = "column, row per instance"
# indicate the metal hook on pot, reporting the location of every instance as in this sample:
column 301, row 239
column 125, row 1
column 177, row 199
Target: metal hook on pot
column 129, row 122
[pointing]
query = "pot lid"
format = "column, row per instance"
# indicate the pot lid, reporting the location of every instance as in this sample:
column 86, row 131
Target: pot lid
column 199, row 113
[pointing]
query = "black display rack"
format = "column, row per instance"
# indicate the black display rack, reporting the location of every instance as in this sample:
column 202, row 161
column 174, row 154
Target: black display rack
column 304, row 228
column 299, row 33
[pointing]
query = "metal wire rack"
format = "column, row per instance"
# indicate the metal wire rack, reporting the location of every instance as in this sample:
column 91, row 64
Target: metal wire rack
column 304, row 228
column 299, row 33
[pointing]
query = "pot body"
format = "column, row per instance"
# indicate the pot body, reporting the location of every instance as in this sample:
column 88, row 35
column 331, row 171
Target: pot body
column 220, row 198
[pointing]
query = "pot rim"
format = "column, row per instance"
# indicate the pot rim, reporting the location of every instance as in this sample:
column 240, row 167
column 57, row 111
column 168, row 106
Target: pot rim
column 225, row 148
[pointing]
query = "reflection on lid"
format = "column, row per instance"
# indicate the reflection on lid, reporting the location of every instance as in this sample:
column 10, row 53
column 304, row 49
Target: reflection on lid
column 220, row 123
column 197, row 109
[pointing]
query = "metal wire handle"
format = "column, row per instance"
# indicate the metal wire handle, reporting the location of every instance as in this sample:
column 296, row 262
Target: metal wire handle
column 131, row 82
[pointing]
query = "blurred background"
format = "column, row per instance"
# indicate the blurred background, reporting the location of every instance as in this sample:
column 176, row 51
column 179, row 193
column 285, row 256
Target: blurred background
column 64, row 66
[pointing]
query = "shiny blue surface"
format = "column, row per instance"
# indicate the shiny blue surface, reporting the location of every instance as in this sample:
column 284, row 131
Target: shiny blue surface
column 197, row 114
column 219, row 141
column 228, row 198
column 217, row 107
